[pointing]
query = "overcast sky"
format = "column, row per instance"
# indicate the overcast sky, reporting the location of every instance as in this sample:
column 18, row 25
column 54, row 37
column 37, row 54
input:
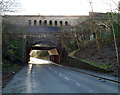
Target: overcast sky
column 64, row 7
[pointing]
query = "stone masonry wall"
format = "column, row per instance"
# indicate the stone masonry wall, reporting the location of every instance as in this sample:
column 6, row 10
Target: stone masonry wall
column 25, row 20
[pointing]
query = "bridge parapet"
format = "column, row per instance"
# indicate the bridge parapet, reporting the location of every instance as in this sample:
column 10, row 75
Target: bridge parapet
column 37, row 20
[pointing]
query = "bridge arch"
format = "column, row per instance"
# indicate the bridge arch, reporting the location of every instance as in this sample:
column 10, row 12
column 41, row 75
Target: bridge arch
column 105, row 26
column 35, row 22
column 45, row 22
column 45, row 42
column 54, row 54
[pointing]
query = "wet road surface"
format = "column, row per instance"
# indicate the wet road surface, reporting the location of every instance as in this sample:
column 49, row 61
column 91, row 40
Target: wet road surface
column 44, row 77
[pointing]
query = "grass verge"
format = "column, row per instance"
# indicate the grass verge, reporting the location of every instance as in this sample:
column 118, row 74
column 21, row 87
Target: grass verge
column 100, row 65
column 9, row 69
column 73, row 52
column 93, row 63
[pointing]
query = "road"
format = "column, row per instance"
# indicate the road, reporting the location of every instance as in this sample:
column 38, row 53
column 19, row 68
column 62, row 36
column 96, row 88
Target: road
column 44, row 77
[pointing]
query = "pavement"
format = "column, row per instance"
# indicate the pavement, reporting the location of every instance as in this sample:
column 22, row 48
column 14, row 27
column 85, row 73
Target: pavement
column 44, row 77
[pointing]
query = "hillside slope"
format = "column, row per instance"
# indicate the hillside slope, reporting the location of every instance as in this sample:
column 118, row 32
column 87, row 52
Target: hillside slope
column 105, row 54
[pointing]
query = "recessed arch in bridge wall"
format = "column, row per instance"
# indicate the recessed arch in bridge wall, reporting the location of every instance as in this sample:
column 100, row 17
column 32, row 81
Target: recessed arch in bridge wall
column 56, row 23
column 35, row 22
column 50, row 22
column 61, row 23
column 40, row 22
column 45, row 22
column 29, row 22
column 66, row 22
column 105, row 26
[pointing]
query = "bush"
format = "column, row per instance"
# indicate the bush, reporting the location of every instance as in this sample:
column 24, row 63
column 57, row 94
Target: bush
column 43, row 53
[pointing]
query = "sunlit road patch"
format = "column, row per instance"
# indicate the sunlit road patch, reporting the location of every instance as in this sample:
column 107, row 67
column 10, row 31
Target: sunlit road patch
column 38, row 61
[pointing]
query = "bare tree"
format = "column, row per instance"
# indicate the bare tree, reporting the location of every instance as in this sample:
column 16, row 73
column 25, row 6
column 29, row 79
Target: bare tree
column 94, row 29
column 111, row 20
column 8, row 6
column 5, row 7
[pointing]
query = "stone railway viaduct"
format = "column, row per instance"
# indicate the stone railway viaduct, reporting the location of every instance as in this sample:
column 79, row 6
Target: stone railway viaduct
column 37, row 20
column 43, row 33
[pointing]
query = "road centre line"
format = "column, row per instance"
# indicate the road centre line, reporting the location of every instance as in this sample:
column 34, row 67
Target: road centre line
column 77, row 84
column 61, row 75
column 66, row 78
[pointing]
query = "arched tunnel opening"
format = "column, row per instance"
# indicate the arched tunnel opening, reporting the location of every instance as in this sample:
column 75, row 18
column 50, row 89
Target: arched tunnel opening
column 46, row 52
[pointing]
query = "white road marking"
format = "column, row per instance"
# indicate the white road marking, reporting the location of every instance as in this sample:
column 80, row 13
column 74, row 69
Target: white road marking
column 52, row 70
column 91, row 91
column 74, row 81
column 30, row 68
column 61, row 75
column 87, row 88
column 66, row 78
column 77, row 84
